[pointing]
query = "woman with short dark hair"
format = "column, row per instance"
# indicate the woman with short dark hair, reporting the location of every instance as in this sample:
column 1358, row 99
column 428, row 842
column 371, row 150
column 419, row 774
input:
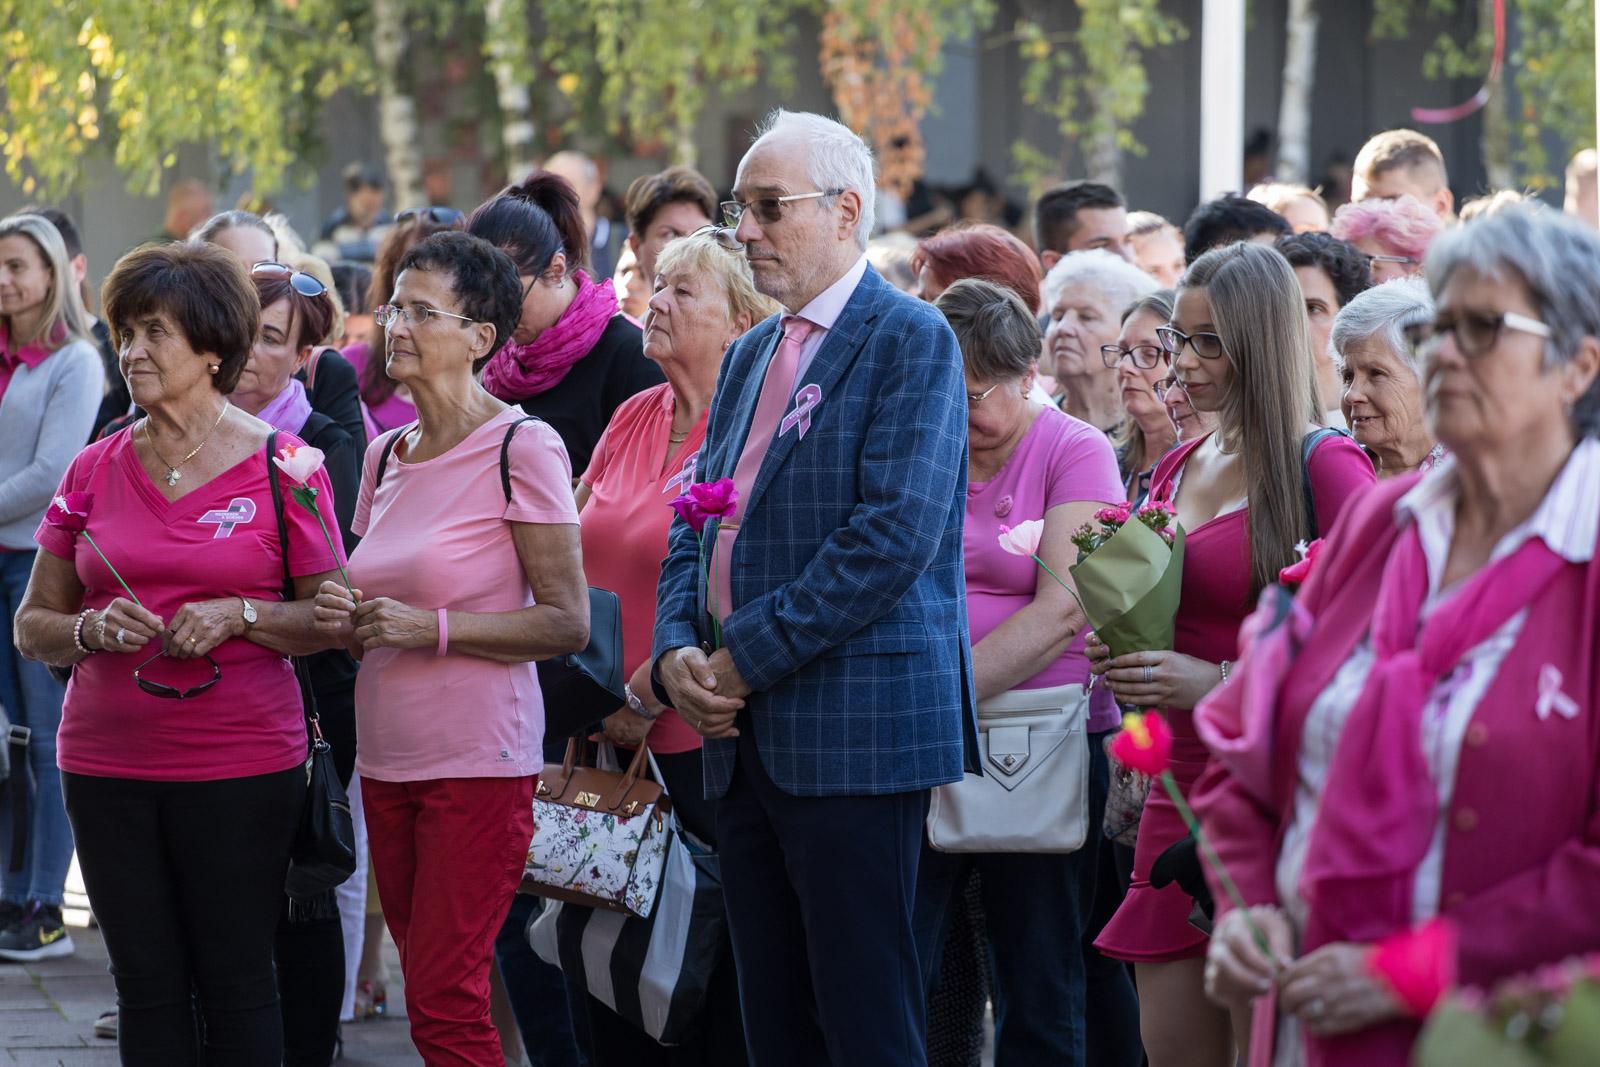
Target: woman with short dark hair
column 469, row 569
column 183, row 741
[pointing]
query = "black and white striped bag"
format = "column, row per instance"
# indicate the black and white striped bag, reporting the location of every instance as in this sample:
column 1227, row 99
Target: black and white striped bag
column 653, row 972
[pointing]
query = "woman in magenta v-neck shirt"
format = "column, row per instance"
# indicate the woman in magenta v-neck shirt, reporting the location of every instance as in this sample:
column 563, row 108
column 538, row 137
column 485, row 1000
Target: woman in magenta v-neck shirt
column 182, row 745
column 1240, row 347
column 704, row 299
column 461, row 584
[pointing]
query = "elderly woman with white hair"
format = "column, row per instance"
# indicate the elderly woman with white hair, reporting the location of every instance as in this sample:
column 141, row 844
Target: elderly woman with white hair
column 1446, row 665
column 1382, row 399
column 1085, row 294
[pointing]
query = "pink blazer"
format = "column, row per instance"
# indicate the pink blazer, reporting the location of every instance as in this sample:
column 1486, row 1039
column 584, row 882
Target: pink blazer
column 1521, row 875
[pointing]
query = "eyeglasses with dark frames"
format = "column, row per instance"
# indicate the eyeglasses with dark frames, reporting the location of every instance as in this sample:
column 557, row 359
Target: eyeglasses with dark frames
column 1475, row 332
column 767, row 209
column 301, row 282
column 1168, row 386
column 1145, row 357
column 167, row 692
column 1206, row 345
column 387, row 315
column 439, row 216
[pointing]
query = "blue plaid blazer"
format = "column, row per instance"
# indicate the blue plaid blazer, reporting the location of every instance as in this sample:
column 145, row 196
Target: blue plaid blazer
column 852, row 625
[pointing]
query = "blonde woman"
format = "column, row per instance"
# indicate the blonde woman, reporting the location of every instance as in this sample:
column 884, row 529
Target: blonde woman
column 51, row 384
column 1240, row 348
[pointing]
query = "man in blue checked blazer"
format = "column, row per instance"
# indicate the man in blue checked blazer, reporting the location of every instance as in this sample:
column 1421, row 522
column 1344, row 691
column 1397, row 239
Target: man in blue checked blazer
column 842, row 692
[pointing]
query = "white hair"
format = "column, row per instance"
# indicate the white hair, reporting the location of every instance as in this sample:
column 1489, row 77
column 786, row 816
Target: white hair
column 1384, row 311
column 1120, row 282
column 836, row 158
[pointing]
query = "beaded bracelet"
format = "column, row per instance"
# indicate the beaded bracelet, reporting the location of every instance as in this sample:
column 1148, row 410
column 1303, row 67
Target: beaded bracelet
column 1223, row 668
column 77, row 632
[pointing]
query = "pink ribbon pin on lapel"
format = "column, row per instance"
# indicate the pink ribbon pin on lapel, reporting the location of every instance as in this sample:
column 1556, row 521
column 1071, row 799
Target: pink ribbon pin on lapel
column 1551, row 698
column 804, row 401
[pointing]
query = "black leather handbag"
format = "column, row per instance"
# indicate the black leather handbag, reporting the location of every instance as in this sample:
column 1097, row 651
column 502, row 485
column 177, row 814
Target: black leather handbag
column 324, row 851
column 581, row 688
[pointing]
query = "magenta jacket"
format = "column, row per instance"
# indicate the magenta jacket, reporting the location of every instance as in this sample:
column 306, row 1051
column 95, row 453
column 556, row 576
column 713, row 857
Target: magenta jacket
column 1521, row 875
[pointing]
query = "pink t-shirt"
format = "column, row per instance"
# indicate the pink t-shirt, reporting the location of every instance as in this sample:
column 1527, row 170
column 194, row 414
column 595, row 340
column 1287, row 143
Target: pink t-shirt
column 625, row 527
column 1059, row 460
column 437, row 534
column 218, row 540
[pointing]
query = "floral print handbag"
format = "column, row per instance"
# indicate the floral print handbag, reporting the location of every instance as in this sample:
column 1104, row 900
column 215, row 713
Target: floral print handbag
column 600, row 837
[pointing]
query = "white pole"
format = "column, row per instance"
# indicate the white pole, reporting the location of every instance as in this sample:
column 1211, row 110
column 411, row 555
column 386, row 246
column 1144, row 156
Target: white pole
column 1222, row 97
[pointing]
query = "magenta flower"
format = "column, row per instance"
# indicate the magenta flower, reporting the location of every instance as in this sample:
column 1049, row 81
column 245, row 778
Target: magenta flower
column 706, row 501
column 70, row 511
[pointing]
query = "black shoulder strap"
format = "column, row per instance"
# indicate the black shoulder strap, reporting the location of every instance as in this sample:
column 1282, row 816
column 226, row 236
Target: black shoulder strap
column 308, row 699
column 1307, row 447
column 505, row 454
column 383, row 457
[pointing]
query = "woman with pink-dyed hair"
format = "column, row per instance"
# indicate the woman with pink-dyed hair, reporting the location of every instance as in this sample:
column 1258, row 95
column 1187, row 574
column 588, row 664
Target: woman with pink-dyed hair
column 1392, row 234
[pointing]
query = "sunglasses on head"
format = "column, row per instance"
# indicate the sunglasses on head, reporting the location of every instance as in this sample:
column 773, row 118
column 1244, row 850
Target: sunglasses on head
column 301, row 282
column 722, row 235
column 439, row 216
column 161, row 689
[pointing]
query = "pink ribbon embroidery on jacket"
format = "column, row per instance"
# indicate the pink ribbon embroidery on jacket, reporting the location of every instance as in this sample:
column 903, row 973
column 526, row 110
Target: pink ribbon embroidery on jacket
column 241, row 509
column 804, row 401
column 1551, row 698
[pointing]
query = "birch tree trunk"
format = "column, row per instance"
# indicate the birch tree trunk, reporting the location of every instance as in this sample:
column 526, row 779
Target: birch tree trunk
column 1294, row 104
column 506, row 42
column 397, row 111
column 1102, row 154
column 1495, row 140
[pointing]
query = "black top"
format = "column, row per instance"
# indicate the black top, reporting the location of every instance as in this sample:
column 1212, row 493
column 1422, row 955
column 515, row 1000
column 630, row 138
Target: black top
column 117, row 400
column 581, row 405
column 334, row 391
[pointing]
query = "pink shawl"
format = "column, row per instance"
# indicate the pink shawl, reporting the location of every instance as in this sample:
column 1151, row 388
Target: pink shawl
column 518, row 372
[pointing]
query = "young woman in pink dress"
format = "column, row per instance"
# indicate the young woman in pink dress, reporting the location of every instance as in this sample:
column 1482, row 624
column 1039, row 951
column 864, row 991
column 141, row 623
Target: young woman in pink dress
column 1241, row 348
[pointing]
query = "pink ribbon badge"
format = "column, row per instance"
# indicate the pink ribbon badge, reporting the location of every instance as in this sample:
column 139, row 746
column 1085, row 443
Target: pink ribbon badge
column 685, row 477
column 241, row 509
column 804, row 401
column 1551, row 698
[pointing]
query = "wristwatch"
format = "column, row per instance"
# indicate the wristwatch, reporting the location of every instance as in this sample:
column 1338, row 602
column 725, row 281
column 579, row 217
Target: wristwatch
column 249, row 613
column 636, row 705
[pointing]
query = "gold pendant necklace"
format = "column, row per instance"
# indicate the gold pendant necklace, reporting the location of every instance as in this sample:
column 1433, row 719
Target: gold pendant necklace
column 172, row 468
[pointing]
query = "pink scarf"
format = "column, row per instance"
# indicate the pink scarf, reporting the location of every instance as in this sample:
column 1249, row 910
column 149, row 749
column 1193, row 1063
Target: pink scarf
column 1370, row 837
column 518, row 372
column 289, row 410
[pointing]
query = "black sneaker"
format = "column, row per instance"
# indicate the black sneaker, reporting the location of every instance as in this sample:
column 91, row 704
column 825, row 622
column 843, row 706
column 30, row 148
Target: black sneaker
column 11, row 915
column 41, row 935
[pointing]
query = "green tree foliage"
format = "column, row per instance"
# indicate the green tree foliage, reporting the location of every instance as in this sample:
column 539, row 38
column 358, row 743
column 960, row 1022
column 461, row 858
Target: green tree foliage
column 1551, row 67
column 150, row 75
column 1090, row 79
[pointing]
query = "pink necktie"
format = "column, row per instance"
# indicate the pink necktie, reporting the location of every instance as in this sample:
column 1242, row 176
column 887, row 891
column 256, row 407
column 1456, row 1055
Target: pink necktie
column 776, row 392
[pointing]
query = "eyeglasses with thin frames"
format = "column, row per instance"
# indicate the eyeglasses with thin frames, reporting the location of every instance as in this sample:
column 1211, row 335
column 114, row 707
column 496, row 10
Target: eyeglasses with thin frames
column 975, row 399
column 387, row 315
column 1475, row 332
column 1206, row 345
column 167, row 692
column 1145, row 357
column 723, row 235
column 768, row 209
column 1404, row 261
column 301, row 282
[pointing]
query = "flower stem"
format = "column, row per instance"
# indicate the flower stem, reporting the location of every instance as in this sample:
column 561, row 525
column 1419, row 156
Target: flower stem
column 328, row 537
column 706, row 571
column 1070, row 591
column 1226, row 879
column 110, row 568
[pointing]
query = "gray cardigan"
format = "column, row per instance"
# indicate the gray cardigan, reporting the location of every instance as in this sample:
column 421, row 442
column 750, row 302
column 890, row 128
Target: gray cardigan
column 46, row 416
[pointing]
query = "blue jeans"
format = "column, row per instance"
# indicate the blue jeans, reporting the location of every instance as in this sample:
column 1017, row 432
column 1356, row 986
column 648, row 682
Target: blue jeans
column 32, row 698
column 1040, row 914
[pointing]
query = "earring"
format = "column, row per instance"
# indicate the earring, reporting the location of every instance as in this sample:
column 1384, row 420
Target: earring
column 215, row 367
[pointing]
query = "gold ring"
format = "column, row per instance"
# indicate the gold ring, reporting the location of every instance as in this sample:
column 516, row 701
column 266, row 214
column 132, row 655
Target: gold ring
column 190, row 641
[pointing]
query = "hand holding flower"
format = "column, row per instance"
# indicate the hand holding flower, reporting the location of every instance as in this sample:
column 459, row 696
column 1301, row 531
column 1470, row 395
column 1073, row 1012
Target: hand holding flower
column 137, row 626
column 300, row 462
column 1237, row 970
column 1333, row 991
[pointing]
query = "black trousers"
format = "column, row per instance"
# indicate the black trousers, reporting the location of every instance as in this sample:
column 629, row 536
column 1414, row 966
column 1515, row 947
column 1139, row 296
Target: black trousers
column 820, row 897
column 186, row 879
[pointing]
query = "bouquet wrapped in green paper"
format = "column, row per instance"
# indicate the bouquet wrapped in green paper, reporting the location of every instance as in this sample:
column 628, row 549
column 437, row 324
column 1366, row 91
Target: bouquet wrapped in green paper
column 1129, row 575
column 1550, row 1018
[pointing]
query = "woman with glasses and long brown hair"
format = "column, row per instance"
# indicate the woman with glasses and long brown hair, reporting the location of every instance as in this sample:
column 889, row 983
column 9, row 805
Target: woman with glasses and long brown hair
column 1246, row 494
column 183, row 743
column 1148, row 432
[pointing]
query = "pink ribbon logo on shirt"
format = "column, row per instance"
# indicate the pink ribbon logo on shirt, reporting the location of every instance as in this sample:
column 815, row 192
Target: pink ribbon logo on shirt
column 684, row 478
column 1551, row 698
column 804, row 401
column 241, row 509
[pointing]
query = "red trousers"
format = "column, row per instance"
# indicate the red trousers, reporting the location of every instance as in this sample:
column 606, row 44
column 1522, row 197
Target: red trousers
column 448, row 855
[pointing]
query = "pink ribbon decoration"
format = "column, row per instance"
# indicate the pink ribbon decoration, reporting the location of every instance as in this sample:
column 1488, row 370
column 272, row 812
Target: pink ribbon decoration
column 241, row 509
column 685, row 477
column 804, row 401
column 1551, row 698
column 1439, row 116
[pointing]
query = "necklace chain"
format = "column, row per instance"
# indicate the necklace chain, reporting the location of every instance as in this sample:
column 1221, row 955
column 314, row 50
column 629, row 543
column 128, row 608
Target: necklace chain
column 172, row 468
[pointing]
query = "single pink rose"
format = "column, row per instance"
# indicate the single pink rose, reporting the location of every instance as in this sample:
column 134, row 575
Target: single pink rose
column 717, row 499
column 299, row 462
column 70, row 512
column 1297, row 573
column 1144, row 743
column 1023, row 539
column 1418, row 965
column 689, row 511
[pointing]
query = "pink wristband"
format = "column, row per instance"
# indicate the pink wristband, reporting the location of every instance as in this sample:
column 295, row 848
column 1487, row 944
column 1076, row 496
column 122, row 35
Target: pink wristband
column 444, row 632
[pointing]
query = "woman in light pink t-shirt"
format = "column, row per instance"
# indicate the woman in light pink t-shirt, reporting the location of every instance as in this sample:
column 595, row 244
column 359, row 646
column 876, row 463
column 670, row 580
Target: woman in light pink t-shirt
column 462, row 582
